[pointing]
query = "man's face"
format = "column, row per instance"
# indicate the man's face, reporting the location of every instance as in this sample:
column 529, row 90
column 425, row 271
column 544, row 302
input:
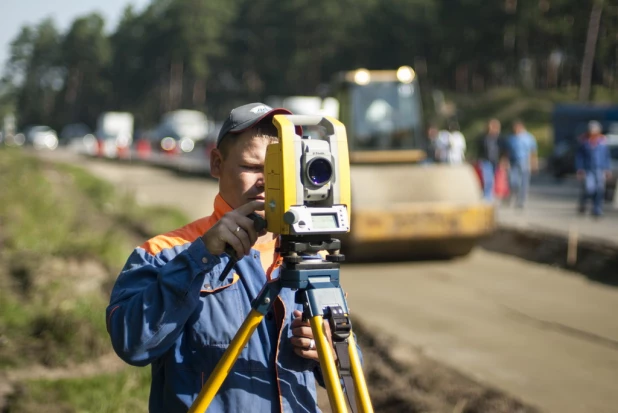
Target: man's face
column 241, row 171
column 518, row 128
column 494, row 127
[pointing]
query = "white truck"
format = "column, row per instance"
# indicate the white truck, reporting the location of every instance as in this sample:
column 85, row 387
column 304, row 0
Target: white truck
column 114, row 134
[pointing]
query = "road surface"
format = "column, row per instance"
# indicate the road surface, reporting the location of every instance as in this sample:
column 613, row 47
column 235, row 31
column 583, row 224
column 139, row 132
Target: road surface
column 552, row 205
column 544, row 335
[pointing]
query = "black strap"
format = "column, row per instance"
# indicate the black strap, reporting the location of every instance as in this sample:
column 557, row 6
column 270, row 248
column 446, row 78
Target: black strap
column 341, row 327
column 345, row 370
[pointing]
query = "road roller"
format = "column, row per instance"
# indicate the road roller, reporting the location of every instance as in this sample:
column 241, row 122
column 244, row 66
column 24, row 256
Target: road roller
column 403, row 205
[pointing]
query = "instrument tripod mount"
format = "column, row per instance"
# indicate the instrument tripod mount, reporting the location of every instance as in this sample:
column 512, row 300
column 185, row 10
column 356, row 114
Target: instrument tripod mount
column 316, row 281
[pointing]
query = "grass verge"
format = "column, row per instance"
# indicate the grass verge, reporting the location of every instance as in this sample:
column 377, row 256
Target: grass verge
column 125, row 392
column 64, row 236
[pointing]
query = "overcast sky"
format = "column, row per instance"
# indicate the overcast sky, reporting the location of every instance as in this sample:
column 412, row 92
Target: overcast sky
column 15, row 13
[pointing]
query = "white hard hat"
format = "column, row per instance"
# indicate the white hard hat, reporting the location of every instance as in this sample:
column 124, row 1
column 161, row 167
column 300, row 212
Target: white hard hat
column 593, row 126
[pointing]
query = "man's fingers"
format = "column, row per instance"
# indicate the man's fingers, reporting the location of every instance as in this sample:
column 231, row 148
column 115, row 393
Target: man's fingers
column 238, row 232
column 301, row 342
column 308, row 354
column 298, row 322
column 303, row 336
column 247, row 225
column 303, row 331
column 301, row 348
column 229, row 238
column 225, row 231
column 250, row 207
column 244, row 239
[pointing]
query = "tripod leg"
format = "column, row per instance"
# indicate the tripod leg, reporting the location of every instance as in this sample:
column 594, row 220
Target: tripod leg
column 259, row 308
column 362, row 394
column 329, row 368
column 223, row 367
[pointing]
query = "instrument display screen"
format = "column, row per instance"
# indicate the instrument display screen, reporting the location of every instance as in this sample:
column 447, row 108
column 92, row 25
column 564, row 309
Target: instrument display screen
column 325, row 221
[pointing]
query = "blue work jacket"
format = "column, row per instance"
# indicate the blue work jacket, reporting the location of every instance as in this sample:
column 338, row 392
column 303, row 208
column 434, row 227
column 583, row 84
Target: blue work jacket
column 170, row 309
column 593, row 156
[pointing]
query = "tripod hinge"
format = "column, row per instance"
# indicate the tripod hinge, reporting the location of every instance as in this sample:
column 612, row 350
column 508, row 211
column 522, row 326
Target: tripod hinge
column 339, row 321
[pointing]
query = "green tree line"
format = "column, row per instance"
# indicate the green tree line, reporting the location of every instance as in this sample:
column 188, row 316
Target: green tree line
column 212, row 54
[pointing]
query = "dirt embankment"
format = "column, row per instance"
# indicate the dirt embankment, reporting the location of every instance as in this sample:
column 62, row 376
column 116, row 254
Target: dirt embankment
column 597, row 259
column 402, row 380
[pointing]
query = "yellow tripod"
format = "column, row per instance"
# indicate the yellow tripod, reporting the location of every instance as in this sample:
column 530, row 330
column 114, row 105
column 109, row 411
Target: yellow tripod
column 318, row 289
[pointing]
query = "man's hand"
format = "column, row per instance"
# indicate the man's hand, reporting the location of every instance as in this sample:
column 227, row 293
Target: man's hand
column 608, row 174
column 235, row 229
column 581, row 174
column 534, row 163
column 303, row 342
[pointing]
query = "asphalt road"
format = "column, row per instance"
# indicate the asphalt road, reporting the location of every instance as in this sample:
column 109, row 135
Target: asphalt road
column 546, row 336
column 552, row 206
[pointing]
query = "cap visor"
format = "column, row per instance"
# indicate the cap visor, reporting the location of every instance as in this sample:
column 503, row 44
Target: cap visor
column 246, row 125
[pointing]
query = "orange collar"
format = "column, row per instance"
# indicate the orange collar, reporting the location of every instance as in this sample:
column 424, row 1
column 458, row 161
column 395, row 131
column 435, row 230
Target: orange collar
column 221, row 207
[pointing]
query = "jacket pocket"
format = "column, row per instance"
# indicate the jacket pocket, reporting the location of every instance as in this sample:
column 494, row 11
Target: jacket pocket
column 213, row 283
column 218, row 316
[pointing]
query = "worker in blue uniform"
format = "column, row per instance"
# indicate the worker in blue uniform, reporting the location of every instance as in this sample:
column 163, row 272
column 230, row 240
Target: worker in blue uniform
column 592, row 162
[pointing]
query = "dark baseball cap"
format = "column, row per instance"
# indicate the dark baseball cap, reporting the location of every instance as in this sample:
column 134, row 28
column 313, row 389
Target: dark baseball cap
column 246, row 116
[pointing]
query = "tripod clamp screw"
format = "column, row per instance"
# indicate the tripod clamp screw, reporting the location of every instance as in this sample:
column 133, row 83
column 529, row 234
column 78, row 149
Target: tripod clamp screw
column 335, row 258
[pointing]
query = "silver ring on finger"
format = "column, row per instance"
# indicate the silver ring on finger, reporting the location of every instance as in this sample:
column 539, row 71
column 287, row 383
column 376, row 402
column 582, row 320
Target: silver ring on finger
column 311, row 345
column 237, row 229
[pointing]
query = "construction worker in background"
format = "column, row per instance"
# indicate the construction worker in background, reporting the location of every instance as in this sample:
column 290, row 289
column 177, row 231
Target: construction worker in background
column 523, row 161
column 434, row 147
column 490, row 152
column 455, row 144
column 593, row 165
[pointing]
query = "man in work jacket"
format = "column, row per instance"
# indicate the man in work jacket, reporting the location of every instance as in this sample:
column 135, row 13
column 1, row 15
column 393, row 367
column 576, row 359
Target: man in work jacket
column 170, row 309
column 593, row 165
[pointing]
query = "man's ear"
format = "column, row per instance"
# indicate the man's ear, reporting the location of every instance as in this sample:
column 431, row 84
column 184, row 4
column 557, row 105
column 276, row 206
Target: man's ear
column 216, row 161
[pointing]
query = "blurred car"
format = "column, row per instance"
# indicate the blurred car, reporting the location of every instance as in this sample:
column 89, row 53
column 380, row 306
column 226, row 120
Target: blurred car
column 114, row 134
column 179, row 131
column 41, row 137
column 19, row 139
column 73, row 131
column 77, row 137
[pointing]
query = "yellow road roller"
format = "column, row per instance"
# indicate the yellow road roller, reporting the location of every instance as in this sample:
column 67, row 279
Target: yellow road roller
column 403, row 207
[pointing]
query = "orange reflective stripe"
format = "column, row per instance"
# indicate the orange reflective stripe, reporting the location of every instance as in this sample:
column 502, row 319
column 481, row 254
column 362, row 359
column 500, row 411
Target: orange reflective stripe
column 275, row 264
column 267, row 254
column 189, row 232
column 235, row 279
